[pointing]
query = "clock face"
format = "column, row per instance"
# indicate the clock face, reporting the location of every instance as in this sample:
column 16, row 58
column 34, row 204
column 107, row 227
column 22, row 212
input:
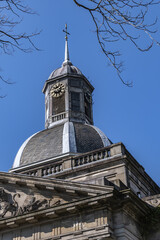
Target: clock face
column 57, row 90
column 88, row 96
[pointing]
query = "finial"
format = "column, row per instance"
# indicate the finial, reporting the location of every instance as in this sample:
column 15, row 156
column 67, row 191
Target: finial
column 67, row 33
column 66, row 58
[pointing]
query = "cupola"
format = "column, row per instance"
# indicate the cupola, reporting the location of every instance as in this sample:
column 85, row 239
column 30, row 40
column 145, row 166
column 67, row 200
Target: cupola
column 68, row 95
column 69, row 128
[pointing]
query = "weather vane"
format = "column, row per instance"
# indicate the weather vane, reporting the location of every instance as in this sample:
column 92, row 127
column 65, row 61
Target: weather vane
column 67, row 33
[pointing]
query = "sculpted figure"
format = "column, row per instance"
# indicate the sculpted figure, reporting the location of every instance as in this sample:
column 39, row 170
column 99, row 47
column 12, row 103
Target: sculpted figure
column 8, row 203
column 32, row 204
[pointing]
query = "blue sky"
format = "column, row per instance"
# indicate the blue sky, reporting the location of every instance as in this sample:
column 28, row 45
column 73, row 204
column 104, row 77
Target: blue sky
column 128, row 115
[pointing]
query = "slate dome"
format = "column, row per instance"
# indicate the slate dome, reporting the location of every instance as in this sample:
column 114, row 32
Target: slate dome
column 67, row 68
column 60, row 140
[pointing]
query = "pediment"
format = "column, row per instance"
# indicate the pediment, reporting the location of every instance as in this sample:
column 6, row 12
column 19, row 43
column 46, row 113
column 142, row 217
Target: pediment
column 22, row 195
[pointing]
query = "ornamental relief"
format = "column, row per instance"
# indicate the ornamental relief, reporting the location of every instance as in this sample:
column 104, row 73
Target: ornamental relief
column 18, row 204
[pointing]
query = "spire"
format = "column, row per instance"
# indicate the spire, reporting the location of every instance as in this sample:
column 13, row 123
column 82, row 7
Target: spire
column 66, row 45
column 66, row 57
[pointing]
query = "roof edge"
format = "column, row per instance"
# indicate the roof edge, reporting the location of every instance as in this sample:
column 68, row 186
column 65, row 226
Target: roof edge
column 17, row 159
column 62, row 77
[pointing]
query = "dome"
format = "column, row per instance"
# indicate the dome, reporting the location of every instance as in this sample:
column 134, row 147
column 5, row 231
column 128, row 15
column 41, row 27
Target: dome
column 67, row 68
column 61, row 139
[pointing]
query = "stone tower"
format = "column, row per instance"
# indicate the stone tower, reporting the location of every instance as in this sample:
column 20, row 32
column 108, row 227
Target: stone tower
column 68, row 95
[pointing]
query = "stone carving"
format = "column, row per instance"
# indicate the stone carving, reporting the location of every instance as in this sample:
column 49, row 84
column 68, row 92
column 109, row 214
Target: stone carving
column 8, row 203
column 31, row 204
column 13, row 205
column 50, row 204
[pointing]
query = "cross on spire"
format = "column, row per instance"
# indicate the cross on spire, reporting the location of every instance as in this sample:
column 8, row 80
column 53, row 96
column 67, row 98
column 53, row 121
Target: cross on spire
column 66, row 58
column 67, row 33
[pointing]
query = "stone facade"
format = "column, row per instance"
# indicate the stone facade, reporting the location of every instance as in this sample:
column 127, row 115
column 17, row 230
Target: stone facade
column 103, row 194
column 56, row 209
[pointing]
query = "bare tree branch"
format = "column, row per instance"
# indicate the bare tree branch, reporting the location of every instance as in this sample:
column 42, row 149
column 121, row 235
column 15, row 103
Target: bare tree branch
column 117, row 20
column 10, row 40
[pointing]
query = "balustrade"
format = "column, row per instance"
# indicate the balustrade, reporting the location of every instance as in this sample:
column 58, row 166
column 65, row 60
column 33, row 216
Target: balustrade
column 92, row 157
column 32, row 173
column 76, row 161
column 52, row 169
column 58, row 117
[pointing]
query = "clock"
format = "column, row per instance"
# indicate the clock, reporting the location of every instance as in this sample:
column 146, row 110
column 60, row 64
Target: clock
column 57, row 90
column 88, row 96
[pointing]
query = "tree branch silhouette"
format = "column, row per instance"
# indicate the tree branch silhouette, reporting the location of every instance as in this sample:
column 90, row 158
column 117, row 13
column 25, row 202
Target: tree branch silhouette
column 117, row 20
column 10, row 39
